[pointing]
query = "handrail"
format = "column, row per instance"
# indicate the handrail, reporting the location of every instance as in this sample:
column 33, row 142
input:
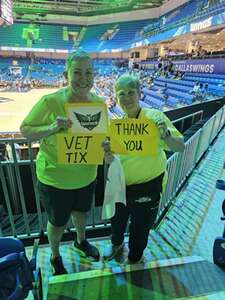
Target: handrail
column 188, row 116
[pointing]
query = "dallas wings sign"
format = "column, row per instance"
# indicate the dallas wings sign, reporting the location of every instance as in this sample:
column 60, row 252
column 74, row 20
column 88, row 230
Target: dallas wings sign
column 82, row 144
column 88, row 117
column 89, row 121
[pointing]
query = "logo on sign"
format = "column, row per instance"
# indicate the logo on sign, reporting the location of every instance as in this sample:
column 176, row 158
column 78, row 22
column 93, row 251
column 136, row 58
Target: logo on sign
column 88, row 121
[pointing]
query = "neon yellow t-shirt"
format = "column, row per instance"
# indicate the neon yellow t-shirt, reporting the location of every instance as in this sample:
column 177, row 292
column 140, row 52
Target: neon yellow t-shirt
column 140, row 169
column 48, row 170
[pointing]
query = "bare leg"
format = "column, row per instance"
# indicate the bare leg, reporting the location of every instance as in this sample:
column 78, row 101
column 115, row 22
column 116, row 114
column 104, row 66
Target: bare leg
column 79, row 221
column 54, row 237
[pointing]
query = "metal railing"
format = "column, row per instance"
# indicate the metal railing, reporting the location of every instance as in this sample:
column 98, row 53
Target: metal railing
column 192, row 118
column 24, row 216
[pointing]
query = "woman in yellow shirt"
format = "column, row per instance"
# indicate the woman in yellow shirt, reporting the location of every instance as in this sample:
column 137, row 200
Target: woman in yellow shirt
column 143, row 175
column 64, row 190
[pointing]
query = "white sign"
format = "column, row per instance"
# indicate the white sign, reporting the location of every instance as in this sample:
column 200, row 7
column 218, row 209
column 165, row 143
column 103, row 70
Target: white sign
column 88, row 117
column 201, row 25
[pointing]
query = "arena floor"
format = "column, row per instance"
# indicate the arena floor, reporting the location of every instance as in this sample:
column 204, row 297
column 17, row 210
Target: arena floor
column 15, row 106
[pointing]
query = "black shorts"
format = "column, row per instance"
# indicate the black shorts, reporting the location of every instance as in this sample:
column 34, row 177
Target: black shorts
column 59, row 203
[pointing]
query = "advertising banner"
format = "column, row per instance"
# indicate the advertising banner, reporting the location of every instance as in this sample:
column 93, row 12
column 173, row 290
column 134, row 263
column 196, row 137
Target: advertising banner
column 206, row 66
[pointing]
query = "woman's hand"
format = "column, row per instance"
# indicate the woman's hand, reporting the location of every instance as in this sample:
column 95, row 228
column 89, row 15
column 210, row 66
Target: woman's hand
column 163, row 129
column 174, row 143
column 61, row 123
column 108, row 155
column 34, row 133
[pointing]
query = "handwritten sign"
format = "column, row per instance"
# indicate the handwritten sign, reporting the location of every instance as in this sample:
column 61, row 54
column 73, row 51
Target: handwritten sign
column 134, row 136
column 83, row 142
column 88, row 117
column 80, row 149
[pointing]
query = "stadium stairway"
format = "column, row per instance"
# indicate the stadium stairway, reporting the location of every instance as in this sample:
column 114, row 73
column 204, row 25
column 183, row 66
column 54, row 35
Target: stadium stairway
column 169, row 279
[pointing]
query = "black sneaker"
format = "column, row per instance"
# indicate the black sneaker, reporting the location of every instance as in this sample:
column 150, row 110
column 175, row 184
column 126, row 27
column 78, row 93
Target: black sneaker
column 135, row 258
column 87, row 249
column 112, row 251
column 132, row 262
column 58, row 266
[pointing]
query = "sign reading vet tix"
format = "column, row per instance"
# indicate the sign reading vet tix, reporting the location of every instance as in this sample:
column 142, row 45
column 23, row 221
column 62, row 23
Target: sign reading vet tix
column 134, row 136
column 83, row 142
column 80, row 149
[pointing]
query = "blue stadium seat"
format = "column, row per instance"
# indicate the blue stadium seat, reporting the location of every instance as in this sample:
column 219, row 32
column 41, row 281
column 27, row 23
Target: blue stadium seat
column 17, row 273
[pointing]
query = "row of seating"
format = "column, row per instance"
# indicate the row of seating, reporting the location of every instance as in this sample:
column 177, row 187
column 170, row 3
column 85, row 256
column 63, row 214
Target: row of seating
column 56, row 36
column 53, row 36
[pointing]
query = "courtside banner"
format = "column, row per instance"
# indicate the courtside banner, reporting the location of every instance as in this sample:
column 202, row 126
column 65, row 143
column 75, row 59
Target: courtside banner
column 201, row 66
column 134, row 136
column 204, row 66
column 83, row 142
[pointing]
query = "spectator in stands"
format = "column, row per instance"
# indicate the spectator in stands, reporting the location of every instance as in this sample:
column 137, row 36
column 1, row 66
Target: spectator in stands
column 142, row 97
column 170, row 66
column 10, row 151
column 160, row 64
column 165, row 69
column 179, row 75
column 176, row 75
column 64, row 190
column 199, row 96
column 164, row 92
column 143, row 175
column 150, row 82
column 3, row 156
column 205, row 91
column 198, row 91
column 195, row 88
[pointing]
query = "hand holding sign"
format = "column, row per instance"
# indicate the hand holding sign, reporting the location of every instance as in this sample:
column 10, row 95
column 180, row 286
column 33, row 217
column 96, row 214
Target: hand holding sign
column 162, row 127
column 108, row 154
column 61, row 123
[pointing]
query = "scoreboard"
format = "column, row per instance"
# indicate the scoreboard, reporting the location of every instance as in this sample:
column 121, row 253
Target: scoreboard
column 6, row 16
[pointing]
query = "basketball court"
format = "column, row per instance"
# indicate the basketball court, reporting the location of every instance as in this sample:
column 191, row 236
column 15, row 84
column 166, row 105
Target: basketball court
column 15, row 106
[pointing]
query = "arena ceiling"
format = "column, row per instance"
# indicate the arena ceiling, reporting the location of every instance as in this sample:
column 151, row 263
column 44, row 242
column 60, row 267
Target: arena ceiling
column 80, row 7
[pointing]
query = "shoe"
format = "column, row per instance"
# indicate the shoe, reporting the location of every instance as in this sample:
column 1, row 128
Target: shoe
column 132, row 262
column 112, row 251
column 135, row 258
column 58, row 266
column 87, row 249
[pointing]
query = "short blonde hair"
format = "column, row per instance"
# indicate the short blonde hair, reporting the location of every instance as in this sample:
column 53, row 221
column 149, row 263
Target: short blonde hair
column 77, row 56
column 128, row 80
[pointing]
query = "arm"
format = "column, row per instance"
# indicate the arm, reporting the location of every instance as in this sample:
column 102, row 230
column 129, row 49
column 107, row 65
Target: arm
column 35, row 132
column 174, row 143
column 38, row 124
